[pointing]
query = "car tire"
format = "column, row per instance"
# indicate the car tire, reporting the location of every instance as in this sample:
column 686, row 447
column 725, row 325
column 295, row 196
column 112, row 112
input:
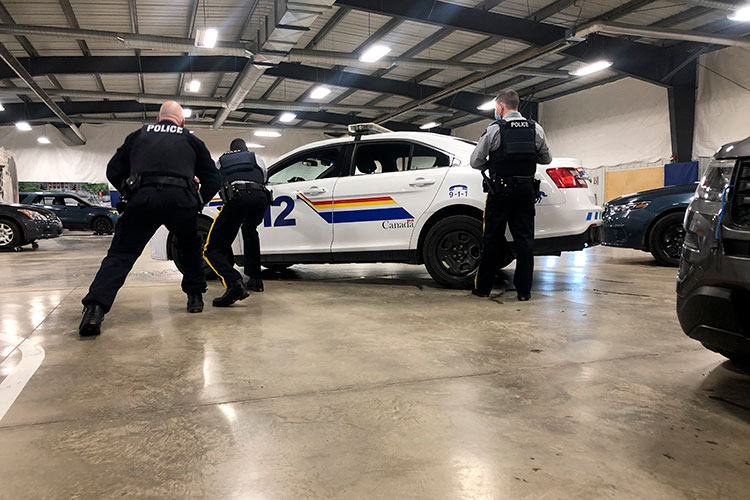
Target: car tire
column 102, row 225
column 204, row 226
column 666, row 238
column 740, row 359
column 10, row 234
column 453, row 249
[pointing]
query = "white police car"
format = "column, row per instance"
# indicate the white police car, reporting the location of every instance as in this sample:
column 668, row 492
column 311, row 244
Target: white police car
column 399, row 197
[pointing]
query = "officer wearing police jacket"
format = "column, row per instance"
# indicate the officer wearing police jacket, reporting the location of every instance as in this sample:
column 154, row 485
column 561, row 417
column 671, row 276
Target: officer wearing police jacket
column 158, row 169
column 246, row 199
column 509, row 150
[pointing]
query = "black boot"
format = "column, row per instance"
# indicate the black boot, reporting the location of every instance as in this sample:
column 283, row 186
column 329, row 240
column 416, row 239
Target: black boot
column 234, row 292
column 254, row 284
column 91, row 323
column 195, row 302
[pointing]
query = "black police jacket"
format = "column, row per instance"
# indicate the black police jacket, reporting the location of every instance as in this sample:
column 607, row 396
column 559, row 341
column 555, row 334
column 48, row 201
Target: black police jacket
column 240, row 166
column 165, row 148
column 517, row 153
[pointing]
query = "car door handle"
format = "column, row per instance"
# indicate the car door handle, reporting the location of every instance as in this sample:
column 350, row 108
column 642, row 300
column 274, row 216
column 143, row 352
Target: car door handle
column 314, row 191
column 421, row 182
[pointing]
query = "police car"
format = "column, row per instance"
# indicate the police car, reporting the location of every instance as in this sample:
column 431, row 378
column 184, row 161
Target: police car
column 412, row 197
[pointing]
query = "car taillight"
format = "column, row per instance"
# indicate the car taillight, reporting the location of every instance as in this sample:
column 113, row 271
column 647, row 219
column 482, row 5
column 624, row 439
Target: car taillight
column 566, row 178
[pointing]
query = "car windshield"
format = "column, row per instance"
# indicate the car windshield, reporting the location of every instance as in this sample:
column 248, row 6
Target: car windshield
column 717, row 177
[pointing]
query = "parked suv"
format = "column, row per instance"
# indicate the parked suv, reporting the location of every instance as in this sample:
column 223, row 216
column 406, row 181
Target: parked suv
column 75, row 212
column 713, row 283
column 400, row 197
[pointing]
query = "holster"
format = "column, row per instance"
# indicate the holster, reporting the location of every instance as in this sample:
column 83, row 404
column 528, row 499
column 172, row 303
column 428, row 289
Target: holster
column 227, row 192
column 537, row 187
column 130, row 186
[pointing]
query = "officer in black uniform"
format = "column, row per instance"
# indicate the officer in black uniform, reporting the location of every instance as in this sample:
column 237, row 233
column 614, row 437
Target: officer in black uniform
column 156, row 169
column 246, row 199
column 514, row 145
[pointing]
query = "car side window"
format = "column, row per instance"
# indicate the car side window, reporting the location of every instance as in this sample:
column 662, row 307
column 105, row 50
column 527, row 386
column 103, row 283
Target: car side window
column 381, row 157
column 71, row 202
column 319, row 164
column 424, row 157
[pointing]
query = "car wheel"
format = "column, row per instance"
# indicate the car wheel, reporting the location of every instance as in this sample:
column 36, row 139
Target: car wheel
column 10, row 234
column 102, row 225
column 452, row 250
column 204, row 226
column 740, row 359
column 665, row 240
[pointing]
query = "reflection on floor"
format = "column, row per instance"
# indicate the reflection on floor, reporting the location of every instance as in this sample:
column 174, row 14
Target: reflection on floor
column 366, row 381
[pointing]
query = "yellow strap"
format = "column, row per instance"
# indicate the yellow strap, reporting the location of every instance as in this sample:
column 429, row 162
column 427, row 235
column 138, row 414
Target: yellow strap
column 476, row 276
column 205, row 247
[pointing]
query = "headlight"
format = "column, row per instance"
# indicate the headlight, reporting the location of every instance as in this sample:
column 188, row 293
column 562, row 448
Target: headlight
column 31, row 214
column 113, row 211
column 627, row 207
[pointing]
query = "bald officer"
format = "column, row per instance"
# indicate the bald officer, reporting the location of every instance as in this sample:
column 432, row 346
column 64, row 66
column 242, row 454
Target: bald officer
column 156, row 168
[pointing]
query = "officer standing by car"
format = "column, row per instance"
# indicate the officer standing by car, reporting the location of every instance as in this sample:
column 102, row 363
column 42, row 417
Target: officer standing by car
column 246, row 198
column 509, row 150
column 158, row 169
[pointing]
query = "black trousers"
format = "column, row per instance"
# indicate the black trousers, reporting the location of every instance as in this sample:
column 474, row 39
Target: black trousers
column 151, row 207
column 513, row 208
column 244, row 212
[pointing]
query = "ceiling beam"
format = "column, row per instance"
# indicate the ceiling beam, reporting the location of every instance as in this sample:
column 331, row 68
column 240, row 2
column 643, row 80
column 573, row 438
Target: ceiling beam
column 24, row 75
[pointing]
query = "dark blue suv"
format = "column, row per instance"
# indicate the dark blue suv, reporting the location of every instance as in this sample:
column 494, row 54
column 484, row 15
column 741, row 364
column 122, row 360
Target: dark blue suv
column 650, row 221
column 75, row 212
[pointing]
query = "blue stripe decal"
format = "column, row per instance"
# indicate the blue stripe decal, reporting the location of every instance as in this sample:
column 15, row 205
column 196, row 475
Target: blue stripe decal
column 588, row 217
column 215, row 203
column 370, row 215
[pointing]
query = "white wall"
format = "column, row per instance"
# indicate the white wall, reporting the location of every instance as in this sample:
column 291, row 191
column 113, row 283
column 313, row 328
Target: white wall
column 58, row 162
column 622, row 122
column 722, row 112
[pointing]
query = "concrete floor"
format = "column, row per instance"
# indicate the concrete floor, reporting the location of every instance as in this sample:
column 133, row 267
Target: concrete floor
column 365, row 382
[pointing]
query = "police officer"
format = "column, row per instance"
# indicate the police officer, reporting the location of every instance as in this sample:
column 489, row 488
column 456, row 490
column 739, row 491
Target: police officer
column 514, row 146
column 156, row 168
column 246, row 199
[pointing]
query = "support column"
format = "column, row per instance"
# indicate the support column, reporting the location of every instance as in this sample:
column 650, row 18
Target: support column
column 682, row 92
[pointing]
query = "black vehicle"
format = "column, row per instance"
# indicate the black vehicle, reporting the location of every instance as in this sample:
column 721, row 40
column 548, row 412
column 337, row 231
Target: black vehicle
column 75, row 212
column 23, row 225
column 713, row 283
column 650, row 221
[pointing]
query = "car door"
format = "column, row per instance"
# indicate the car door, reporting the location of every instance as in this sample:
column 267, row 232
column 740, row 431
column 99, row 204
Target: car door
column 78, row 211
column 299, row 222
column 390, row 186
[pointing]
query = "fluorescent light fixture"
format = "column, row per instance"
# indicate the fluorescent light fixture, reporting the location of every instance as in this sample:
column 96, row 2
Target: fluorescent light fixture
column 287, row 117
column 319, row 92
column 23, row 126
column 194, row 86
column 267, row 133
column 428, row 126
column 187, row 112
column 254, row 145
column 42, row 140
column 206, row 37
column 374, row 53
column 588, row 69
column 487, row 105
column 741, row 14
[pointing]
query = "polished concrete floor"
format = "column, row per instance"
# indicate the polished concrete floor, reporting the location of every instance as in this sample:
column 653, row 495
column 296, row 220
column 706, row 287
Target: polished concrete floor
column 364, row 382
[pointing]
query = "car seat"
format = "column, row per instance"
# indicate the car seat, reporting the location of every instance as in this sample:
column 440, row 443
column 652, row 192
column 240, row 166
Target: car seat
column 366, row 165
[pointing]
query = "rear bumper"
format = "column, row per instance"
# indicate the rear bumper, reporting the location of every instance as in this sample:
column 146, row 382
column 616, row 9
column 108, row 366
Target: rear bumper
column 553, row 246
column 717, row 317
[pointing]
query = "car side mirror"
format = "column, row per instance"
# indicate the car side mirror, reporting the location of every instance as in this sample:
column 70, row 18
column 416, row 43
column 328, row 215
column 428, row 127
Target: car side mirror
column 310, row 163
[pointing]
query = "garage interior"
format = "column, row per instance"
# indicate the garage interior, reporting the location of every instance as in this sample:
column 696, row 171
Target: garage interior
column 367, row 380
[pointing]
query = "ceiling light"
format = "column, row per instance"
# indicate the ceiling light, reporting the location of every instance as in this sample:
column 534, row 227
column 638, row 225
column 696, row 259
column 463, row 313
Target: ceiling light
column 487, row 105
column 253, row 145
column 193, row 86
column 187, row 112
column 428, row 126
column 741, row 14
column 587, row 69
column 267, row 133
column 374, row 53
column 206, row 37
column 23, row 126
column 319, row 92
column 42, row 140
column 287, row 117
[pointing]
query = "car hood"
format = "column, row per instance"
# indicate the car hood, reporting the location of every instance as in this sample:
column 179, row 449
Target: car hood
column 20, row 206
column 652, row 194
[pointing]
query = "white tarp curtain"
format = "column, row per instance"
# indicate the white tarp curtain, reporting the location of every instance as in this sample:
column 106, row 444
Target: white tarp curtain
column 58, row 162
column 722, row 111
column 622, row 122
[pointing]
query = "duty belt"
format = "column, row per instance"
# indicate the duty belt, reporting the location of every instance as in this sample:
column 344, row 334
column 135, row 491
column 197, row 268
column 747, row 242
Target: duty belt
column 248, row 186
column 165, row 180
column 516, row 179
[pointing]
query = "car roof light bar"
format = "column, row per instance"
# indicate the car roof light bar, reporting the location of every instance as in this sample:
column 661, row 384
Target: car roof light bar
column 367, row 128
